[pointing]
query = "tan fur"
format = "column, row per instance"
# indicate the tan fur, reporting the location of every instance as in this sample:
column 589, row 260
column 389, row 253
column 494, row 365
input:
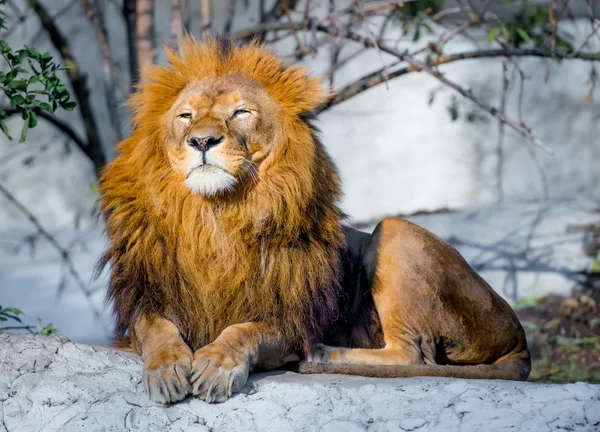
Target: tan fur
column 210, row 283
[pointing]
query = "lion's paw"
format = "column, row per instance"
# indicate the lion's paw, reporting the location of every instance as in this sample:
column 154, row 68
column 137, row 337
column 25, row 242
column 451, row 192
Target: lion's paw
column 166, row 373
column 217, row 372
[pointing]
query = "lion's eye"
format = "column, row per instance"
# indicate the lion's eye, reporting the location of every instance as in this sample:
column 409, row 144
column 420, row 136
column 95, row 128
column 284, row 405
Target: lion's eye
column 240, row 113
column 185, row 116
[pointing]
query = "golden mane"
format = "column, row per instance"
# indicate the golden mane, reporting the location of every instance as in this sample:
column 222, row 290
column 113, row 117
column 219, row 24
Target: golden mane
column 269, row 254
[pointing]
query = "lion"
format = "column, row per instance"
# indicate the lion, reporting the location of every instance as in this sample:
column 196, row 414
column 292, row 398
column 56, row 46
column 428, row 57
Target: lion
column 228, row 251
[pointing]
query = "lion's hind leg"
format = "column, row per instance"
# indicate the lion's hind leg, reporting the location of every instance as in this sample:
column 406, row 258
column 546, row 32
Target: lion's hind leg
column 390, row 286
column 437, row 317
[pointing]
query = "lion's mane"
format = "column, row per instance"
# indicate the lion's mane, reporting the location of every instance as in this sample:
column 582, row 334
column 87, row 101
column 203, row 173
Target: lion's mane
column 270, row 254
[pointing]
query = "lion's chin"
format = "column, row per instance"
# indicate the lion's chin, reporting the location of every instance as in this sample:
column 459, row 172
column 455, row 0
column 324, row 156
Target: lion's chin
column 210, row 181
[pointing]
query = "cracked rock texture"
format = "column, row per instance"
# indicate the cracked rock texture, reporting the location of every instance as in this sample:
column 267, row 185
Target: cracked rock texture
column 51, row 384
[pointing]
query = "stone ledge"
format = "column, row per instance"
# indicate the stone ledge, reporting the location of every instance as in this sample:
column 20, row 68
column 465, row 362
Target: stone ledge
column 51, row 384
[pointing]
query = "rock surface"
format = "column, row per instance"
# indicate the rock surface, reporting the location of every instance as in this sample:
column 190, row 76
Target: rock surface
column 51, row 384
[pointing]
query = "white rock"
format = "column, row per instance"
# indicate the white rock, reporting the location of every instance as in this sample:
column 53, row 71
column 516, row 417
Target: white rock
column 51, row 384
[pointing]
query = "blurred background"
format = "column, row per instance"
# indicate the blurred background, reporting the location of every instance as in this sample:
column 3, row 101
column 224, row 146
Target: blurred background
column 479, row 120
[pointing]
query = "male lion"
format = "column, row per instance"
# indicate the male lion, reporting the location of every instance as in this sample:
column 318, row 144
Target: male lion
column 228, row 254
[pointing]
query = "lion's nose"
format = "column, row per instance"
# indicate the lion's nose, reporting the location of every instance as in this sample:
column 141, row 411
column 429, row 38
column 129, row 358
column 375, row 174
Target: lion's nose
column 204, row 143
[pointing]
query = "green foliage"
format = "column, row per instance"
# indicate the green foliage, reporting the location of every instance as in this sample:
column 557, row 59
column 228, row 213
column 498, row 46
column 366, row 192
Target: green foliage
column 536, row 25
column 47, row 329
column 2, row 15
column 528, row 302
column 413, row 14
column 12, row 313
column 30, row 83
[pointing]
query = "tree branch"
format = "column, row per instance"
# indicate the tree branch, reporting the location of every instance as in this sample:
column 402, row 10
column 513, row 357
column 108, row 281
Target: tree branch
column 377, row 77
column 64, row 253
column 382, row 75
column 59, row 124
column 280, row 8
column 129, row 13
column 78, row 81
column 96, row 19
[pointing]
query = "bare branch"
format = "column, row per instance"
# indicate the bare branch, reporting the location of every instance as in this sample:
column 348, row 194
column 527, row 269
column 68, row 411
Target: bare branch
column 29, row 328
column 97, row 21
column 64, row 253
column 129, row 13
column 59, row 124
column 279, row 9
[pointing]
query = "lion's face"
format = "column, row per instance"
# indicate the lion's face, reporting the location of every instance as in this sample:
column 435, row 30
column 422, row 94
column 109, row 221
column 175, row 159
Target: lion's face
column 221, row 130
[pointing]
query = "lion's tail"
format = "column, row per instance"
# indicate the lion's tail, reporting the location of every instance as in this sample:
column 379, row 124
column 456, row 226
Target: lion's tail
column 515, row 367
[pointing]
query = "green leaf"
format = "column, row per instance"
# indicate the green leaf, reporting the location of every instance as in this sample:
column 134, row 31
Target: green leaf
column 416, row 34
column 14, row 310
column 43, row 105
column 18, row 85
column 524, row 35
column 4, row 48
column 24, row 132
column 5, row 130
column 49, row 329
column 35, row 71
column 493, row 34
column 68, row 106
column 33, row 120
column 16, row 100
column 453, row 111
column 32, row 52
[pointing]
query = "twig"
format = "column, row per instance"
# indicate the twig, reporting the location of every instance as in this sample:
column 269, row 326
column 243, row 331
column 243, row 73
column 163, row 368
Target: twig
column 65, row 256
column 29, row 328
column 381, row 76
column 375, row 78
column 500, row 142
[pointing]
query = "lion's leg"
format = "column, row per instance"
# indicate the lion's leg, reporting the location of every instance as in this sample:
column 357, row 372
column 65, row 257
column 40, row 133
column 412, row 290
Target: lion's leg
column 402, row 345
column 167, row 358
column 221, row 368
column 432, row 305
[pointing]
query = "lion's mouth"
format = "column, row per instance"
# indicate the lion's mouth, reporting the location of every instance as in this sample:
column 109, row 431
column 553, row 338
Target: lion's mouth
column 210, row 180
column 205, row 168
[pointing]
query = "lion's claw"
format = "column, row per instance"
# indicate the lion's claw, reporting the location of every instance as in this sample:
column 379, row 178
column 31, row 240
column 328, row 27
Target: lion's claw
column 218, row 372
column 166, row 374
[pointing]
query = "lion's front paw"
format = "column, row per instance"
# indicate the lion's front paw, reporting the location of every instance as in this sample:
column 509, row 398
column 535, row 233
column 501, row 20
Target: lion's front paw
column 166, row 373
column 217, row 372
